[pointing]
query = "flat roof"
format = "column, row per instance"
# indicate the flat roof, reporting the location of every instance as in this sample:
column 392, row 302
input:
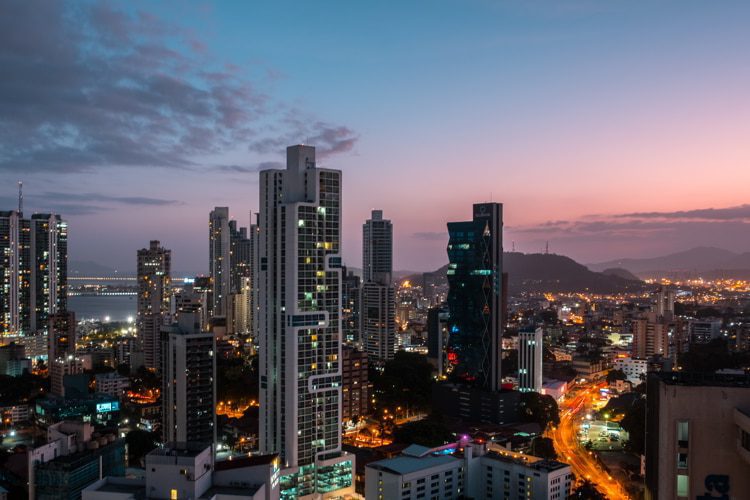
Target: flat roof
column 406, row 465
column 698, row 379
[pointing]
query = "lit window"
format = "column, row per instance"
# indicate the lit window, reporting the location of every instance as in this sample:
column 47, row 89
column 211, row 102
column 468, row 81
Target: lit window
column 682, row 485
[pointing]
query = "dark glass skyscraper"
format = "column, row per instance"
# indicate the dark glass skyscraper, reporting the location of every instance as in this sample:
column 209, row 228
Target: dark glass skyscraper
column 475, row 254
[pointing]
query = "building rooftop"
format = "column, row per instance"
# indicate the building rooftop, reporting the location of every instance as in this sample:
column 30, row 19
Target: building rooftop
column 406, row 464
column 698, row 379
column 229, row 491
column 526, row 460
column 245, row 461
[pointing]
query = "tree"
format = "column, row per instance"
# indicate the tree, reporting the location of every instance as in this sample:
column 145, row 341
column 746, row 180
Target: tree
column 540, row 409
column 587, row 491
column 634, row 422
column 615, row 375
column 430, row 431
column 543, row 447
column 139, row 444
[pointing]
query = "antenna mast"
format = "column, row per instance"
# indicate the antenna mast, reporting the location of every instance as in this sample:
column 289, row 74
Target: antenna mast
column 20, row 197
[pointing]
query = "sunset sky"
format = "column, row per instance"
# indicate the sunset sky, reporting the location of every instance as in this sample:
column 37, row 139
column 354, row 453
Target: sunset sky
column 608, row 128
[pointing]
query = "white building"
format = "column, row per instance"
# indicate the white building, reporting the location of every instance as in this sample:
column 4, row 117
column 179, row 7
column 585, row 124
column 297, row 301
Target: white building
column 530, row 360
column 59, row 368
column 470, row 471
column 111, row 383
column 190, row 472
column 300, row 326
column 634, row 368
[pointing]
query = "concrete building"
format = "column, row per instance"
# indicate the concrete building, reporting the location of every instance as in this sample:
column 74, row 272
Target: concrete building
column 437, row 338
column 61, row 368
column 473, row 404
column 697, row 436
column 356, row 388
column 378, row 316
column 650, row 337
column 351, row 308
column 154, row 281
column 704, row 331
column 188, row 382
column 190, row 472
column 111, row 383
column 62, row 335
column 73, row 458
column 530, row 352
column 219, row 260
column 635, row 369
column 13, row 360
column 300, row 326
column 466, row 470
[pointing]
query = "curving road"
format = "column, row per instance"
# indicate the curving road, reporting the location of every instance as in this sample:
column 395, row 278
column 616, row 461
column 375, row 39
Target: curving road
column 569, row 450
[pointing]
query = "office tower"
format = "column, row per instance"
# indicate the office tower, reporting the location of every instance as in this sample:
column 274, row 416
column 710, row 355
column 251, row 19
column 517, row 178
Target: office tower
column 219, row 260
column 62, row 335
column 530, row 360
column 437, row 338
column 355, row 383
column 475, row 254
column 351, row 299
column 253, row 305
column 154, row 282
column 49, row 268
column 300, row 324
column 378, row 318
column 697, row 435
column 188, row 382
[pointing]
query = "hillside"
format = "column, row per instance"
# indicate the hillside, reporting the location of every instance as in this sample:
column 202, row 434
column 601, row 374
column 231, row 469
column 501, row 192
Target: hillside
column 552, row 273
column 699, row 259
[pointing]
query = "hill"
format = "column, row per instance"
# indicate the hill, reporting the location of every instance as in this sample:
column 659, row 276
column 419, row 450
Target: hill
column 622, row 273
column 551, row 273
column 699, row 259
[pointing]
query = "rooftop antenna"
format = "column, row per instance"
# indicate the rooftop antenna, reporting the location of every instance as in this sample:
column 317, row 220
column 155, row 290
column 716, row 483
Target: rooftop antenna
column 513, row 246
column 20, row 197
column 546, row 248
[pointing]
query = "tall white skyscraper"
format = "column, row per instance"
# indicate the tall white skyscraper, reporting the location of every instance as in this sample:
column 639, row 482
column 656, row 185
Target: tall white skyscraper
column 300, row 326
column 530, row 360
column 378, row 314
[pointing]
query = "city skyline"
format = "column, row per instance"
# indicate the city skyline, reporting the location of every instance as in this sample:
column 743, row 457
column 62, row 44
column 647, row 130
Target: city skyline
column 647, row 124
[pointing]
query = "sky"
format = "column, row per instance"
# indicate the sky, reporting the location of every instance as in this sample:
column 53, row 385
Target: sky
column 608, row 129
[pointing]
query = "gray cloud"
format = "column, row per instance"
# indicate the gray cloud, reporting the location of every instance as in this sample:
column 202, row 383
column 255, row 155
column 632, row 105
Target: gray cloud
column 328, row 139
column 124, row 200
column 248, row 169
column 90, row 86
column 730, row 213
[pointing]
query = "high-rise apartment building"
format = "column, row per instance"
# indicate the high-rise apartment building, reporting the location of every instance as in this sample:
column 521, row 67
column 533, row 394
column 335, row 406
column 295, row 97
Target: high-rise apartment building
column 62, row 335
column 188, row 367
column 219, row 251
column 356, row 385
column 530, row 360
column 650, row 337
column 33, row 271
column 300, row 325
column 351, row 300
column 475, row 254
column 378, row 317
column 49, row 268
column 154, row 282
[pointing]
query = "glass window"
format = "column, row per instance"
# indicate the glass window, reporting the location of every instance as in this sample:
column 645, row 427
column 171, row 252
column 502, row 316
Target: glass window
column 682, row 485
column 682, row 433
column 682, row 460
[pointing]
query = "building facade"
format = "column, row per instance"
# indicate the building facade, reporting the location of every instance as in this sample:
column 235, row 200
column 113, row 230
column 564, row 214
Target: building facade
column 356, row 387
column 378, row 317
column 154, row 294
column 475, row 255
column 530, row 352
column 188, row 382
column 697, row 436
column 300, row 325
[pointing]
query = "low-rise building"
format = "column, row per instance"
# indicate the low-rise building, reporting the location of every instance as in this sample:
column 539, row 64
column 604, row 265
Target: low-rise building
column 635, row 369
column 111, row 383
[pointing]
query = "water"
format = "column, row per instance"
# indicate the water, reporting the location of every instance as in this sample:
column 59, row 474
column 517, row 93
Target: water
column 118, row 308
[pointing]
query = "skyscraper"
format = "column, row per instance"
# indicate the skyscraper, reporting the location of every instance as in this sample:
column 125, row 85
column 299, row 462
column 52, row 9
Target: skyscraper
column 33, row 271
column 530, row 360
column 300, row 325
column 62, row 335
column 49, row 268
column 378, row 294
column 219, row 255
column 475, row 254
column 154, row 281
column 351, row 300
column 188, row 367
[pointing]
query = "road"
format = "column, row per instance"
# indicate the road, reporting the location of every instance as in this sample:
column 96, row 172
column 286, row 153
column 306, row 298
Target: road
column 569, row 450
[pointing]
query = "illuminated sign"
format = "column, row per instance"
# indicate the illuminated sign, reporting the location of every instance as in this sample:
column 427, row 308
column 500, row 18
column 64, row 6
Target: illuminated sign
column 107, row 407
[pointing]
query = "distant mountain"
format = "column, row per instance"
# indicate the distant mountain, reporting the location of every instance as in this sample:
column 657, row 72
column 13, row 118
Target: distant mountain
column 622, row 273
column 699, row 259
column 551, row 273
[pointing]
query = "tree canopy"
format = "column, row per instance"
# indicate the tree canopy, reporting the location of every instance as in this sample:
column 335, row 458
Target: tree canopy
column 541, row 409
